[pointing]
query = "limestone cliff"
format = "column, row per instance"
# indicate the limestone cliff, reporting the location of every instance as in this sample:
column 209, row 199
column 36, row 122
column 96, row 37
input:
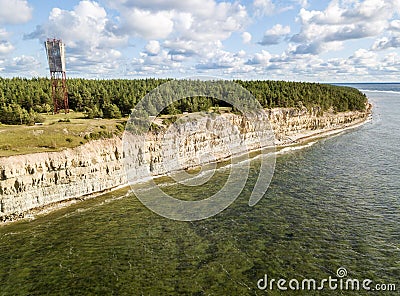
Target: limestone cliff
column 37, row 180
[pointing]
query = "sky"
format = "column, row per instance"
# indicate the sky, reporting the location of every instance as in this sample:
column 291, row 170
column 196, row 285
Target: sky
column 299, row 40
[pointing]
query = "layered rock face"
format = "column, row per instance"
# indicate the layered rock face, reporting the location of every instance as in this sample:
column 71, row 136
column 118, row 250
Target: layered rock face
column 290, row 123
column 196, row 139
column 37, row 180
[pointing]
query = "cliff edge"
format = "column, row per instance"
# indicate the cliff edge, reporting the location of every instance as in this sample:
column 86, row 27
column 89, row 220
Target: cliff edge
column 38, row 180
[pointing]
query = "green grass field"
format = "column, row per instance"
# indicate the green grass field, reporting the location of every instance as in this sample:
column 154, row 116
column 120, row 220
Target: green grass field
column 58, row 132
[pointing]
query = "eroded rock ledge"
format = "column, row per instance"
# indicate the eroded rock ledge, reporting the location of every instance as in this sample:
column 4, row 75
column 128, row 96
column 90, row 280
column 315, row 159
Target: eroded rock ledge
column 37, row 180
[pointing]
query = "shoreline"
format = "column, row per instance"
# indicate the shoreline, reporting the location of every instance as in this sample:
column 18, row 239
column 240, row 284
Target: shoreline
column 319, row 134
column 293, row 141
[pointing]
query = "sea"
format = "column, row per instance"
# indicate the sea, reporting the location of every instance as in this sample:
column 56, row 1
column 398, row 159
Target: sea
column 328, row 224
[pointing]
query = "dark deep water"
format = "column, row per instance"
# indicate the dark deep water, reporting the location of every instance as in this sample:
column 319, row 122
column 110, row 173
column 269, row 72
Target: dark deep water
column 333, row 204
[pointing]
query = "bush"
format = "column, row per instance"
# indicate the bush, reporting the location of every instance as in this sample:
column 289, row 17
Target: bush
column 111, row 111
column 46, row 108
column 15, row 114
column 94, row 112
column 98, row 135
column 120, row 127
column 37, row 118
column 170, row 120
column 38, row 108
column 5, row 147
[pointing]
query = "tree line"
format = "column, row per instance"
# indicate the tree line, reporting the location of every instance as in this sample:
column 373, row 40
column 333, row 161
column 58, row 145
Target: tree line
column 22, row 100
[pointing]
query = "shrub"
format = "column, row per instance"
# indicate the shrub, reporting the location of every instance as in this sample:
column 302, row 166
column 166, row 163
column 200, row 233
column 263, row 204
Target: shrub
column 15, row 114
column 120, row 127
column 94, row 112
column 5, row 147
column 98, row 135
column 170, row 120
column 37, row 118
column 111, row 111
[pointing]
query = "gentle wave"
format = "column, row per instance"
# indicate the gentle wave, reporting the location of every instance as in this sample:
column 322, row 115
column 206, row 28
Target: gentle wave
column 380, row 91
column 294, row 148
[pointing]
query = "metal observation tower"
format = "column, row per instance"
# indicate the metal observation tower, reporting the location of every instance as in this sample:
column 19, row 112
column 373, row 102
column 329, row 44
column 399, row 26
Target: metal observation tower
column 55, row 50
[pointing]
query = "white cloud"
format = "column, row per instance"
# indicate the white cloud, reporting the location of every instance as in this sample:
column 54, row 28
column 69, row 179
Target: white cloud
column 181, row 48
column 183, row 21
column 192, row 19
column 147, row 24
column 223, row 19
column 278, row 30
column 264, row 7
column 88, row 35
column 362, row 65
column 262, row 58
column 303, row 3
column 188, row 32
column 275, row 34
column 370, row 10
column 22, row 64
column 155, row 64
column 195, row 43
column 200, row 7
column 225, row 61
column 5, row 47
column 364, row 58
column 348, row 12
column 341, row 21
column 391, row 63
column 15, row 11
column 385, row 43
column 3, row 33
column 153, row 47
column 12, row 12
column 246, row 37
column 395, row 25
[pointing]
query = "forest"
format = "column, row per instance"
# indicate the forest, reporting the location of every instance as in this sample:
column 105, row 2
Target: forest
column 22, row 100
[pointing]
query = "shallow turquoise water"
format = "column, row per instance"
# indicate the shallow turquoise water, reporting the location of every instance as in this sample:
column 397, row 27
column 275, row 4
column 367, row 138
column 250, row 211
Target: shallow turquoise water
column 334, row 204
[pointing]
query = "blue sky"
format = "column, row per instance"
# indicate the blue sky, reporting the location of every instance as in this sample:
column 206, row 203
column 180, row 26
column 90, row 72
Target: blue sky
column 302, row 40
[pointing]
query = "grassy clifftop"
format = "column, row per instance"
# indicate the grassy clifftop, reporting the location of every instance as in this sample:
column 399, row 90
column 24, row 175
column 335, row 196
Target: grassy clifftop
column 57, row 132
